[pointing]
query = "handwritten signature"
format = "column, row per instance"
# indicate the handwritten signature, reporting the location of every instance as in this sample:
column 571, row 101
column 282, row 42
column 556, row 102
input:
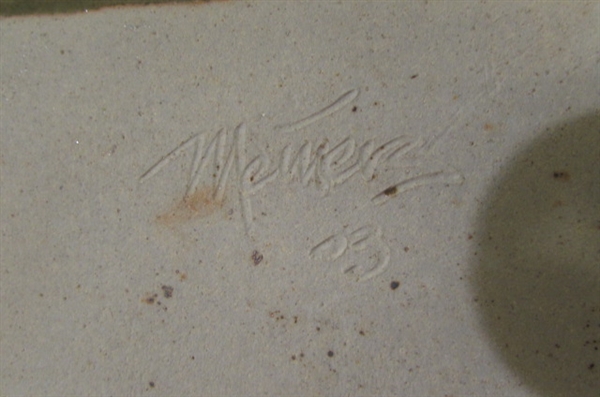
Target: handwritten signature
column 319, row 164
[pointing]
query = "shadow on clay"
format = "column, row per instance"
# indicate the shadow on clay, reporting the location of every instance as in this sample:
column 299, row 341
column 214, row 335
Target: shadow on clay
column 536, row 274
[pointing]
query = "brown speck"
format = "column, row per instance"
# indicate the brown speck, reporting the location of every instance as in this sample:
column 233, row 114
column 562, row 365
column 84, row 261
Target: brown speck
column 470, row 237
column 293, row 357
column 256, row 257
column 182, row 275
column 354, row 109
column 561, row 176
column 330, row 353
column 591, row 366
column 151, row 384
column 394, row 284
column 406, row 249
column 167, row 291
column 390, row 191
column 488, row 127
column 150, row 299
column 414, row 76
column 361, row 332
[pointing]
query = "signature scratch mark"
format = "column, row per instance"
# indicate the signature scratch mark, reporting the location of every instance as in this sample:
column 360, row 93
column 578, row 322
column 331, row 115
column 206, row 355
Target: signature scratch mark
column 167, row 159
column 415, row 182
column 328, row 110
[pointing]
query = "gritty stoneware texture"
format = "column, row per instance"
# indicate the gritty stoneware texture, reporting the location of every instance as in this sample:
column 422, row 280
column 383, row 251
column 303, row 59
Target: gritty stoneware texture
column 301, row 198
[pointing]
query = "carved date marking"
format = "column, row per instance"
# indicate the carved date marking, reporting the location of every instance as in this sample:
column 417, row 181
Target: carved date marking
column 360, row 239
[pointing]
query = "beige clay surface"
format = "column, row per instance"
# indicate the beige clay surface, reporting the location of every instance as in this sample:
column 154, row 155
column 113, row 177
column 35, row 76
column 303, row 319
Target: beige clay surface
column 301, row 198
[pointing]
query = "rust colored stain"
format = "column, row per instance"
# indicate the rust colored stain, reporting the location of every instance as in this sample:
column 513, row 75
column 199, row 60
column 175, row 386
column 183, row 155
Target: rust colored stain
column 199, row 204
column 488, row 127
